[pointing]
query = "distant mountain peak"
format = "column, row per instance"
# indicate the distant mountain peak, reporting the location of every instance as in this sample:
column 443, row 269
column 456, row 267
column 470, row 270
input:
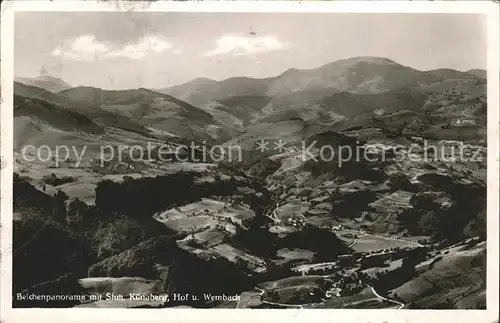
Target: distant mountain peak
column 49, row 78
column 348, row 61
column 369, row 59
column 46, row 82
column 290, row 71
column 203, row 79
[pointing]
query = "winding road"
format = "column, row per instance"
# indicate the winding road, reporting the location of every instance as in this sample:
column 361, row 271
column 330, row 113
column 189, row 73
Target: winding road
column 305, row 269
column 352, row 243
column 274, row 217
column 401, row 305
column 262, row 292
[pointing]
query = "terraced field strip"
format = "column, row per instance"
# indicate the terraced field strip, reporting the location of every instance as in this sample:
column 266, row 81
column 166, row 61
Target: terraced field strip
column 363, row 233
column 393, row 202
column 306, row 268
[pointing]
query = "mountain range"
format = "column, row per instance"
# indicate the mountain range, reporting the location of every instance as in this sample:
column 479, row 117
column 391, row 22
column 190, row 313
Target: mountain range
column 362, row 75
column 337, row 96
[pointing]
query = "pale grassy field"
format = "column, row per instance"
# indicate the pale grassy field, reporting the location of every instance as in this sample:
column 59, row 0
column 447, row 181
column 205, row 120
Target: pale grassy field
column 392, row 266
column 291, row 209
column 233, row 254
column 458, row 275
column 195, row 216
column 121, row 285
column 287, row 255
column 364, row 299
column 191, row 224
column 368, row 243
column 296, row 281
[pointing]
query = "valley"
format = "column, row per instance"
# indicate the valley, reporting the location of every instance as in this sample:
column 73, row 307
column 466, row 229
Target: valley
column 399, row 223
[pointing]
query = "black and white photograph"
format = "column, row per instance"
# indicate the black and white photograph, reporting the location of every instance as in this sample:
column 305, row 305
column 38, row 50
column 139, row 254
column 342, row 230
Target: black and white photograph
column 250, row 160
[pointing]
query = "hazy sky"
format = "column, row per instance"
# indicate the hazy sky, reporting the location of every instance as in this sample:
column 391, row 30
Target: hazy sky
column 116, row 50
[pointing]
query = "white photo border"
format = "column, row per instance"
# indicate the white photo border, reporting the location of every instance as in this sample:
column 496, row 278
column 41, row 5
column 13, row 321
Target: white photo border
column 488, row 8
